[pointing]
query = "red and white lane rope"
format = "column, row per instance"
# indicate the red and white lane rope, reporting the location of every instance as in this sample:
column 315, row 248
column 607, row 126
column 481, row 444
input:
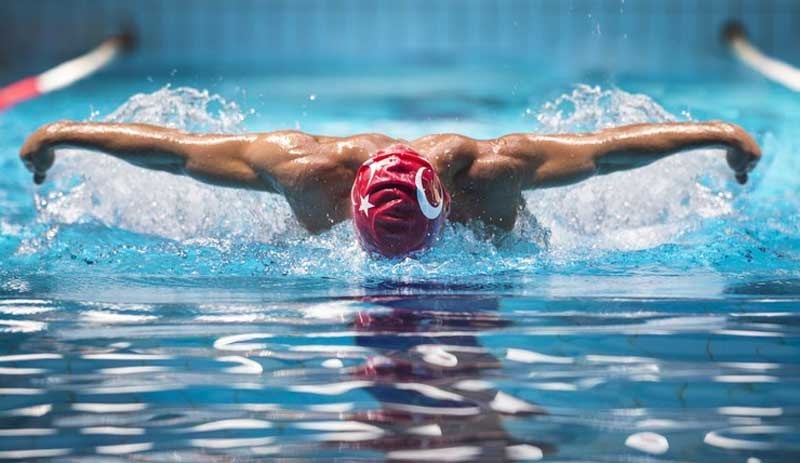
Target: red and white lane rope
column 771, row 68
column 64, row 74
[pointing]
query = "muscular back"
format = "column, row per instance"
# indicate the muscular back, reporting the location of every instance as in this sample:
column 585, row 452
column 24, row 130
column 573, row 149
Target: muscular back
column 483, row 184
column 314, row 173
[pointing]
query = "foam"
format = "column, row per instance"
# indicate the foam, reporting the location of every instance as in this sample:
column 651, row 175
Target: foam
column 91, row 187
column 629, row 210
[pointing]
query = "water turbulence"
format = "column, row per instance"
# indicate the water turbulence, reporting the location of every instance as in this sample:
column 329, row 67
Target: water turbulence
column 418, row 359
column 251, row 232
column 111, row 192
column 630, row 210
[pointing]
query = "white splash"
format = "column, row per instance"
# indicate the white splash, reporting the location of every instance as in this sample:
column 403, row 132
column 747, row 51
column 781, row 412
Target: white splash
column 627, row 210
column 88, row 186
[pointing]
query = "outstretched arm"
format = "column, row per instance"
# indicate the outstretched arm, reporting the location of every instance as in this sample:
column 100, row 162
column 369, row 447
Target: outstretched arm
column 218, row 159
column 262, row 161
column 554, row 160
column 314, row 173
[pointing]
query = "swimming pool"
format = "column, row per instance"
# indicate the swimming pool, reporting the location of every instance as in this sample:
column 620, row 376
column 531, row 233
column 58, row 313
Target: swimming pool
column 144, row 317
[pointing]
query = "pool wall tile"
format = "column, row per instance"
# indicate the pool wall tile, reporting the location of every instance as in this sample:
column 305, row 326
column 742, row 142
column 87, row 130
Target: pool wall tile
column 641, row 36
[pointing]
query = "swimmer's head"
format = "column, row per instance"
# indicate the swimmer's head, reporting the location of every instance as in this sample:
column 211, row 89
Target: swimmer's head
column 399, row 204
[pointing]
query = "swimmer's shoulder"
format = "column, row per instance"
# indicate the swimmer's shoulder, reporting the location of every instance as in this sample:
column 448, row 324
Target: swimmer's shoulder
column 449, row 153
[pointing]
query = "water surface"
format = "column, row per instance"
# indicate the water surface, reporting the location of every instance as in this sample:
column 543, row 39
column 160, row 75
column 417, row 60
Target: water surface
column 642, row 316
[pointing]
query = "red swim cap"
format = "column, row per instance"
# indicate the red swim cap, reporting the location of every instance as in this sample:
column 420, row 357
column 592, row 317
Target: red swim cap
column 399, row 204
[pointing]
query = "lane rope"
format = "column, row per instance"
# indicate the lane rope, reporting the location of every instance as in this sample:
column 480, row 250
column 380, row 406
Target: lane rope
column 771, row 68
column 66, row 73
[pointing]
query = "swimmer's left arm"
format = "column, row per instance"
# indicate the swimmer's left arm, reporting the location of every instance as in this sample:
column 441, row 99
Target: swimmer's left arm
column 277, row 162
column 555, row 160
column 633, row 146
column 212, row 158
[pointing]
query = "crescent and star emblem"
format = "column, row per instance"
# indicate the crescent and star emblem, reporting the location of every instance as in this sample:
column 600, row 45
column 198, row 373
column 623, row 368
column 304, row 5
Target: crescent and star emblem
column 428, row 210
column 425, row 206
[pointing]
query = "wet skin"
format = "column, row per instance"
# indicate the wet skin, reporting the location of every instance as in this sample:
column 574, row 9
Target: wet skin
column 485, row 178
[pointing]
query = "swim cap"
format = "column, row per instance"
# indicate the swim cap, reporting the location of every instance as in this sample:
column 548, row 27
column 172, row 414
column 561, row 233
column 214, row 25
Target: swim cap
column 399, row 204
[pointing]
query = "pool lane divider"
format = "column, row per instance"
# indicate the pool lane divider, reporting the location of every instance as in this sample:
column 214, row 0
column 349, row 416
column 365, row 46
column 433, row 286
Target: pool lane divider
column 774, row 69
column 66, row 73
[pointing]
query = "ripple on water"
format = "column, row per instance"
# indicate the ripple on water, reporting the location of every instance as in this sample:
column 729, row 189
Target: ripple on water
column 513, row 378
column 419, row 358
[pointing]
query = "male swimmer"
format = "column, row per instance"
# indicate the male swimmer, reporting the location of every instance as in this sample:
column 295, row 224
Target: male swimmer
column 398, row 193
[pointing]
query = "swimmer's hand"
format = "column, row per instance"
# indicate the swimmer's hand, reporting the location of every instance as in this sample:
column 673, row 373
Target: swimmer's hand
column 742, row 151
column 37, row 153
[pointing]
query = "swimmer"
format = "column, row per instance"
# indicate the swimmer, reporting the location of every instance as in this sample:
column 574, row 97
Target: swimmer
column 398, row 193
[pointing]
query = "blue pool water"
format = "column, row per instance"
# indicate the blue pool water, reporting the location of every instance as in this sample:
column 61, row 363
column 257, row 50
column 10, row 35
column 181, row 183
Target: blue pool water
column 144, row 317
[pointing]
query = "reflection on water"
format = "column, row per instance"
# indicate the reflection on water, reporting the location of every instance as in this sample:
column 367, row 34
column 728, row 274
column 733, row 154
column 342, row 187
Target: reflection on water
column 394, row 377
column 431, row 380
